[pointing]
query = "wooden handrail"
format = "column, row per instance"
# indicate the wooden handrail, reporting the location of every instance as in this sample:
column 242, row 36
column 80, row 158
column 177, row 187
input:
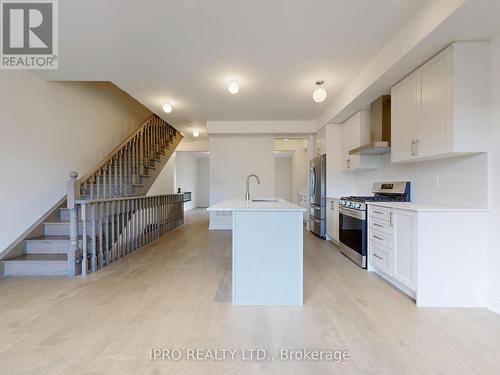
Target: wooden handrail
column 116, row 149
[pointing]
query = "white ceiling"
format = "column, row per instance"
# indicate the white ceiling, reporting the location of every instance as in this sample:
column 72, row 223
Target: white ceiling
column 185, row 52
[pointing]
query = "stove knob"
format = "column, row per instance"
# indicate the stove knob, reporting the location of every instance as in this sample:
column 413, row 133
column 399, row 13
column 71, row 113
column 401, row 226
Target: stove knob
column 348, row 204
column 342, row 202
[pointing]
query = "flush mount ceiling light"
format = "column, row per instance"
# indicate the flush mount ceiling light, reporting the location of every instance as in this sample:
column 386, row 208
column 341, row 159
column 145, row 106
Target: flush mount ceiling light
column 233, row 87
column 196, row 133
column 167, row 107
column 320, row 94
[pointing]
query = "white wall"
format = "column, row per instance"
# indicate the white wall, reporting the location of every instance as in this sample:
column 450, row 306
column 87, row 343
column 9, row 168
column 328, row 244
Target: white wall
column 187, row 170
column 232, row 159
column 493, row 289
column 203, row 181
column 463, row 181
column 48, row 129
column 188, row 144
column 165, row 182
column 261, row 127
column 186, row 175
column 283, row 177
column 300, row 164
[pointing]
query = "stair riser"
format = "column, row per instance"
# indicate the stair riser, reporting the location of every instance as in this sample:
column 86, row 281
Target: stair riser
column 35, row 268
column 65, row 212
column 61, row 229
column 48, row 247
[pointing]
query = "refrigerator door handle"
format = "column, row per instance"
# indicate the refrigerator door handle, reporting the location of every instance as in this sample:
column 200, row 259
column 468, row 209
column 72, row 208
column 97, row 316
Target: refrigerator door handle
column 313, row 180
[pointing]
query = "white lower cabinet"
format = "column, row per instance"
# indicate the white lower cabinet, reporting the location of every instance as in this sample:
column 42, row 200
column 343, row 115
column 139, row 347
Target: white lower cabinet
column 332, row 219
column 435, row 254
column 404, row 226
column 392, row 244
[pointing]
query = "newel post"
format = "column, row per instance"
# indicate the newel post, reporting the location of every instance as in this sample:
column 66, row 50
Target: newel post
column 73, row 187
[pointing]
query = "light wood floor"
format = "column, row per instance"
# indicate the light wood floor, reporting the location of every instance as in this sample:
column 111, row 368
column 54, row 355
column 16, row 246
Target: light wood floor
column 175, row 293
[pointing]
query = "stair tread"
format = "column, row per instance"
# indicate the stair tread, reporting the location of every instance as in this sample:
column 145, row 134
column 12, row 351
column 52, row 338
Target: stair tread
column 40, row 257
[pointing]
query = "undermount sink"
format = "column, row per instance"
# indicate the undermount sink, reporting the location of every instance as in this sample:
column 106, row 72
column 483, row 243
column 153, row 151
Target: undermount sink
column 265, row 200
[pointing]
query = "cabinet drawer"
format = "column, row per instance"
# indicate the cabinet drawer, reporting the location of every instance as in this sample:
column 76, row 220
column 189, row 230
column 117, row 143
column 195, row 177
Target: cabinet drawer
column 380, row 213
column 380, row 225
column 380, row 259
column 381, row 238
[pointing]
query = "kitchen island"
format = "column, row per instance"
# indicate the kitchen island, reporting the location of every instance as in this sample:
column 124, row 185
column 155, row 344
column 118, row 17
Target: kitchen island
column 267, row 251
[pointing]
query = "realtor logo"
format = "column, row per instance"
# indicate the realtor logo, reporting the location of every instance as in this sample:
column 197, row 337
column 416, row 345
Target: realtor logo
column 29, row 34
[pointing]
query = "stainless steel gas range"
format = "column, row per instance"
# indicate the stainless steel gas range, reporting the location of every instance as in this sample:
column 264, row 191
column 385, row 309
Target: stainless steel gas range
column 353, row 217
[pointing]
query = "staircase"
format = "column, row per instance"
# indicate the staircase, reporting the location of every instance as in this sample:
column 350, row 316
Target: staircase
column 114, row 192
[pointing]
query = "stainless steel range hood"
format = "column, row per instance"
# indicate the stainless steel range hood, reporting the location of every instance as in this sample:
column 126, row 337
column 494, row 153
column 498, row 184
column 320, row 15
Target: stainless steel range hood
column 380, row 129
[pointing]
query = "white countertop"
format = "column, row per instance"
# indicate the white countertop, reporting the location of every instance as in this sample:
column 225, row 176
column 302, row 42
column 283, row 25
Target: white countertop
column 243, row 205
column 426, row 207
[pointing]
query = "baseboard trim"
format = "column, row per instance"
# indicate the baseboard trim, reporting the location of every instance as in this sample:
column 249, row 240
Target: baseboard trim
column 493, row 303
column 219, row 227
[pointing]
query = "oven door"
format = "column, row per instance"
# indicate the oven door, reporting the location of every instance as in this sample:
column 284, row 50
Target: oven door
column 352, row 233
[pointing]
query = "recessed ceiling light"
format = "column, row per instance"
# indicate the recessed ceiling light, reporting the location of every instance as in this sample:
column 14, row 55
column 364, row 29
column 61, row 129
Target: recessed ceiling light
column 286, row 139
column 320, row 94
column 196, row 133
column 233, row 87
column 167, row 107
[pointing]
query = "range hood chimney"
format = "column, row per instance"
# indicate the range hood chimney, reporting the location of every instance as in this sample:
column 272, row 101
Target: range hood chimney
column 380, row 129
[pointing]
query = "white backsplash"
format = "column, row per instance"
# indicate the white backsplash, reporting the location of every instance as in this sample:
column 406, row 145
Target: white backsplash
column 456, row 181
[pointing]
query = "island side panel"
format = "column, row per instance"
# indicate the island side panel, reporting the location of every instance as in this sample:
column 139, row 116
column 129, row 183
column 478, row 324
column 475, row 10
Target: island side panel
column 451, row 259
column 267, row 258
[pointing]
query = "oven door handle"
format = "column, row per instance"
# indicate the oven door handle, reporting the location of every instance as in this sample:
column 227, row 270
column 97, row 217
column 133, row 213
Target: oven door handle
column 353, row 213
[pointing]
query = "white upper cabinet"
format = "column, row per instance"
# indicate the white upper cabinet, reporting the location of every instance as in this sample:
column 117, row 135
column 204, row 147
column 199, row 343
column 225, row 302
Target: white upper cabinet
column 404, row 109
column 355, row 133
column 441, row 109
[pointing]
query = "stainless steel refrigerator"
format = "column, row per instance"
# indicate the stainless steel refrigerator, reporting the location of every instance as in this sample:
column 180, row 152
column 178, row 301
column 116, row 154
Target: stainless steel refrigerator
column 317, row 196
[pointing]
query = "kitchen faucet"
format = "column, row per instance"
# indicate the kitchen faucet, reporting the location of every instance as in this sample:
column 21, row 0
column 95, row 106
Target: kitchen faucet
column 247, row 195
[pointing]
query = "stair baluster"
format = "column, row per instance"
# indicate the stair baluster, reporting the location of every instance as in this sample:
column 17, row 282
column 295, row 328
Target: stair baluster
column 84, row 240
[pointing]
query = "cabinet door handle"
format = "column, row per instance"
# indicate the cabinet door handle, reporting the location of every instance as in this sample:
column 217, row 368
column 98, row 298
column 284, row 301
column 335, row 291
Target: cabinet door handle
column 377, row 256
column 417, row 143
column 378, row 238
column 413, row 143
column 378, row 212
column 378, row 225
column 390, row 218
